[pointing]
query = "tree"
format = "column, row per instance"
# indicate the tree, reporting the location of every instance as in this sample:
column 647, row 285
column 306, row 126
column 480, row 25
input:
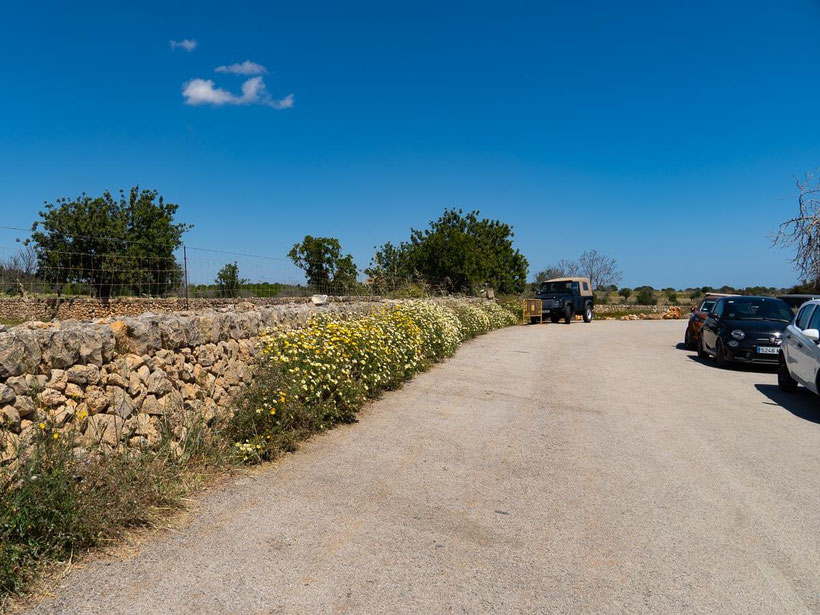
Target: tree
column 644, row 296
column 600, row 269
column 625, row 292
column 123, row 245
column 228, row 281
column 390, row 268
column 466, row 253
column 803, row 230
column 549, row 273
column 563, row 269
column 324, row 266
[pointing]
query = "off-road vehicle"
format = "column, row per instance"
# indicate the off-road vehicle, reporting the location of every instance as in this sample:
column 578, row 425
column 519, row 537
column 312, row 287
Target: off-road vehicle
column 565, row 297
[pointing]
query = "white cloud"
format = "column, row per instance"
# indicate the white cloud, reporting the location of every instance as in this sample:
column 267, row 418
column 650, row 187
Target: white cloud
column 254, row 92
column 186, row 44
column 244, row 68
column 283, row 103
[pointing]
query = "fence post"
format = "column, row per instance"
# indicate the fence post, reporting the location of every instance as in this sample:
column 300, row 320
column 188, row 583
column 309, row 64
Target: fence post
column 185, row 265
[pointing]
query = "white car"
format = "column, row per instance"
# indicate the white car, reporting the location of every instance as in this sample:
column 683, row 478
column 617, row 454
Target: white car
column 800, row 352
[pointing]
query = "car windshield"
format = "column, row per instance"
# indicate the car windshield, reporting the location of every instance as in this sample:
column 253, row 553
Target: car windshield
column 707, row 305
column 757, row 309
column 556, row 287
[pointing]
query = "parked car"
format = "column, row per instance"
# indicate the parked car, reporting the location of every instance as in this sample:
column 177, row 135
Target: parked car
column 697, row 318
column 565, row 297
column 800, row 354
column 744, row 329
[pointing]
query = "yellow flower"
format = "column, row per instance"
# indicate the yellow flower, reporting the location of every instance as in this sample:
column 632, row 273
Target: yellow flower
column 56, row 435
column 42, row 425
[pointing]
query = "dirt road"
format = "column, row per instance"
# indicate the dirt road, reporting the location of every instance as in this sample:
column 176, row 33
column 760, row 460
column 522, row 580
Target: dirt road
column 575, row 469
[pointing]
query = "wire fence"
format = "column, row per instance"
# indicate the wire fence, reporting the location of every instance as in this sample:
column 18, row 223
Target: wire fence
column 188, row 271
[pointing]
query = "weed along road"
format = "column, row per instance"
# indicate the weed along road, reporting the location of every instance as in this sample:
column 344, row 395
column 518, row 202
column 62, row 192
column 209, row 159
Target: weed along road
column 584, row 468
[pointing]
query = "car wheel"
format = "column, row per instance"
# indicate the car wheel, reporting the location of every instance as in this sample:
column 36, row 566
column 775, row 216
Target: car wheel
column 720, row 355
column 588, row 314
column 568, row 314
column 702, row 354
column 555, row 318
column 785, row 382
column 687, row 340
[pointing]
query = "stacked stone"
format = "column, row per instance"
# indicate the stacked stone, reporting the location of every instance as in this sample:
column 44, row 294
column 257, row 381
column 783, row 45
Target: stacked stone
column 123, row 380
column 86, row 308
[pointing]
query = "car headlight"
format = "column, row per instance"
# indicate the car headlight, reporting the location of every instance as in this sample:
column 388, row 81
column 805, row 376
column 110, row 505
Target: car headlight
column 738, row 334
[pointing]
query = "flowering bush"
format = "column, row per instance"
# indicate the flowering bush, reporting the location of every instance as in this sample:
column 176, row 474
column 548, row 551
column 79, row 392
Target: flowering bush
column 314, row 377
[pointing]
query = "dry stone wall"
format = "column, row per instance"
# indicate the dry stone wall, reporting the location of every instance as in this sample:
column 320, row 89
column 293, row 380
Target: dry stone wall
column 121, row 379
column 85, row 308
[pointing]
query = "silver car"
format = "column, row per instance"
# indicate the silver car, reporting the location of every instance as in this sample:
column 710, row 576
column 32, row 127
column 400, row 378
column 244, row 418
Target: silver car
column 800, row 353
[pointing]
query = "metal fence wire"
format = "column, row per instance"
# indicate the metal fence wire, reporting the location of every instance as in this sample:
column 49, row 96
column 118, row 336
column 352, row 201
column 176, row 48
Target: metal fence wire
column 189, row 272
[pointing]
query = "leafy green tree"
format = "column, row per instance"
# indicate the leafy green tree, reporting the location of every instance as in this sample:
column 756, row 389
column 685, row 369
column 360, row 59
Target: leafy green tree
column 110, row 245
column 466, row 252
column 228, row 281
column 324, row 265
column 625, row 292
column 390, row 268
column 644, row 296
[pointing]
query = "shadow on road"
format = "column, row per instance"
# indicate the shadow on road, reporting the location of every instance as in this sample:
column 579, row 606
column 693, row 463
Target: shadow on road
column 802, row 404
column 736, row 367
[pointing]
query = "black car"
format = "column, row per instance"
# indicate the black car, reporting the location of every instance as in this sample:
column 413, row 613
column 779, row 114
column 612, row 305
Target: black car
column 744, row 329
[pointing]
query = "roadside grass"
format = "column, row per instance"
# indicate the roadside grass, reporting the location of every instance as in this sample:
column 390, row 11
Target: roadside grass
column 11, row 322
column 58, row 499
column 61, row 497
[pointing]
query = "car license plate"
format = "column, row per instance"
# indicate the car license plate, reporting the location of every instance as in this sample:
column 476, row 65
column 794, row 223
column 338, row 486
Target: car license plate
column 767, row 350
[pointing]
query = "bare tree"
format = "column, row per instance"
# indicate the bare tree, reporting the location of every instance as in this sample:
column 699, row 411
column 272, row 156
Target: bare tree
column 562, row 269
column 803, row 230
column 569, row 268
column 601, row 270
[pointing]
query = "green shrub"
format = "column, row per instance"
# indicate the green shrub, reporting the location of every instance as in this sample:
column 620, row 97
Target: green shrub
column 645, row 297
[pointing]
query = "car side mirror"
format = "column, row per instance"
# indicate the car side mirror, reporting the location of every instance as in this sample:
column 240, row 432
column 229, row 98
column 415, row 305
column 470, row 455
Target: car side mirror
column 812, row 334
column 713, row 315
column 692, row 309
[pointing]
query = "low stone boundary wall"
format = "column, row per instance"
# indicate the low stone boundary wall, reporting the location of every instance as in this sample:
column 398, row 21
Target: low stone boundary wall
column 86, row 308
column 627, row 307
column 117, row 379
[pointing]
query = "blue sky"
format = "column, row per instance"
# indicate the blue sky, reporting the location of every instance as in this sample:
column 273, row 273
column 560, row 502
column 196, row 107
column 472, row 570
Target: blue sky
column 664, row 134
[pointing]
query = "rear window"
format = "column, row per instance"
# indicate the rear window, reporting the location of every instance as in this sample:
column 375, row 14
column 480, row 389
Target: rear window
column 707, row 306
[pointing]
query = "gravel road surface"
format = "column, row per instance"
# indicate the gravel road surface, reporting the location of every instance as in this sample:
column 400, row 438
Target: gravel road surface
column 546, row 469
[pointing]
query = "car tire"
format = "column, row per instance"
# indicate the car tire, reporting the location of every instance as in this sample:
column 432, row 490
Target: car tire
column 568, row 314
column 720, row 355
column 785, row 382
column 588, row 314
column 555, row 318
column 688, row 343
column 702, row 354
